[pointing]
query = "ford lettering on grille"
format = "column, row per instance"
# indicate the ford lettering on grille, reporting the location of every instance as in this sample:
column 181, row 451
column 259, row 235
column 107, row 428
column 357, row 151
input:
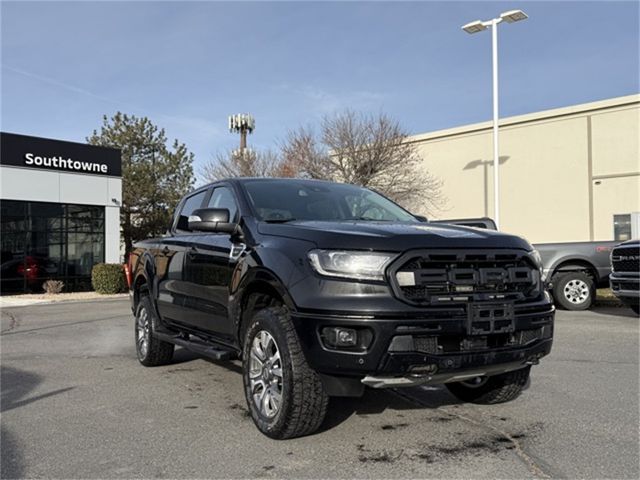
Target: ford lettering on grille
column 431, row 277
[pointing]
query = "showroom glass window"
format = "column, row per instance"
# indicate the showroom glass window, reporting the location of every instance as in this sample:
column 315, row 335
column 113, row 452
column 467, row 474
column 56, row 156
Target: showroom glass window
column 42, row 241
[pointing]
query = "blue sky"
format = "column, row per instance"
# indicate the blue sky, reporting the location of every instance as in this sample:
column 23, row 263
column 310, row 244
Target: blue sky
column 187, row 66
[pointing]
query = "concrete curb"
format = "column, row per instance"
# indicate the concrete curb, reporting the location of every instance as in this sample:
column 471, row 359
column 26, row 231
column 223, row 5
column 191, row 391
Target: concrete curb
column 11, row 302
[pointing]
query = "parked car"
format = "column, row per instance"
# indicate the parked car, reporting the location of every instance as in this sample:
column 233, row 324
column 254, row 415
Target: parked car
column 324, row 288
column 625, row 273
column 25, row 272
column 573, row 270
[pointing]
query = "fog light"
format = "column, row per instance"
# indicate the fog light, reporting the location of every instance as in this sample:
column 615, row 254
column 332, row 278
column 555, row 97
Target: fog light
column 340, row 337
column 347, row 337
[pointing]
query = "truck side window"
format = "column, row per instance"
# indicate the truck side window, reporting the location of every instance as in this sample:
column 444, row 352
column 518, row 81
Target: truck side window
column 192, row 203
column 222, row 197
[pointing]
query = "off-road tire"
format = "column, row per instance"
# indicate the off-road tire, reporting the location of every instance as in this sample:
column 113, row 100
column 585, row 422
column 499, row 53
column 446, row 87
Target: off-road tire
column 496, row 389
column 560, row 281
column 158, row 352
column 304, row 401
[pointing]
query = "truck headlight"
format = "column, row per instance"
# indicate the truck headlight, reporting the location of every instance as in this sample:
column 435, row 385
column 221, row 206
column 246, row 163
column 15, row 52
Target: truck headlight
column 350, row 264
column 537, row 259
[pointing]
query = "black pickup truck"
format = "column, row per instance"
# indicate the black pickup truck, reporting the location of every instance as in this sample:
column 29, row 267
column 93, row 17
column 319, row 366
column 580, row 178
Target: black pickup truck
column 322, row 289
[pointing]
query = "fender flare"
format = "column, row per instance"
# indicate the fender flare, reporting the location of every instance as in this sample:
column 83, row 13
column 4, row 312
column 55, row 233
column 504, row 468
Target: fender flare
column 145, row 268
column 578, row 259
column 253, row 278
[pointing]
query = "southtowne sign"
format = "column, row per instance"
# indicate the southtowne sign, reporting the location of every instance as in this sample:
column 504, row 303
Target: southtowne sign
column 64, row 163
column 69, row 157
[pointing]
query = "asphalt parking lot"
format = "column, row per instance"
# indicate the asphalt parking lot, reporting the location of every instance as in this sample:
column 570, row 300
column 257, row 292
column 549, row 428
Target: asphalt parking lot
column 76, row 404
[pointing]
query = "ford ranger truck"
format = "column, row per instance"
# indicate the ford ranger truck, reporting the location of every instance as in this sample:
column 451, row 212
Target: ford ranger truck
column 323, row 289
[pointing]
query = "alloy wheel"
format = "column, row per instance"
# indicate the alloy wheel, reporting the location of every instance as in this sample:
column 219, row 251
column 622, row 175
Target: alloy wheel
column 265, row 374
column 143, row 331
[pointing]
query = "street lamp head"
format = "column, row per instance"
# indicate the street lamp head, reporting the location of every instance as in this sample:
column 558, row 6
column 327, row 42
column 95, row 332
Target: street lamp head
column 474, row 27
column 513, row 16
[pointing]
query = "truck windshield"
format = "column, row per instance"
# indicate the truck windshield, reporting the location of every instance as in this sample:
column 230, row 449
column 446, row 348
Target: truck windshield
column 286, row 200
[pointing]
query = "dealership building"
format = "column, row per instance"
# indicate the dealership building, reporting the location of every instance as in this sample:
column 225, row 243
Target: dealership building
column 569, row 174
column 60, row 211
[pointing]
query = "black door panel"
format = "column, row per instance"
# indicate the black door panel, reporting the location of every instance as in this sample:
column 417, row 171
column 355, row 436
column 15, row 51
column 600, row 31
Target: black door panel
column 207, row 277
column 169, row 260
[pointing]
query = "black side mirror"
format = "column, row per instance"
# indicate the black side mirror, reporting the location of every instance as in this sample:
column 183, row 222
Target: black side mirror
column 421, row 218
column 214, row 220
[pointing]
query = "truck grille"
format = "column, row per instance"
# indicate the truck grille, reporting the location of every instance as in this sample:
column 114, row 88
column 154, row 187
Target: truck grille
column 626, row 259
column 445, row 276
column 436, row 345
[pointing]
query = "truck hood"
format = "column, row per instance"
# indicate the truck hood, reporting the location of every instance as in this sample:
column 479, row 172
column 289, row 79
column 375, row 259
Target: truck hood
column 391, row 237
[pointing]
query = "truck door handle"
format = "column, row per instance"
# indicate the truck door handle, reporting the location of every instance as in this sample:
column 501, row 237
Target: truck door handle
column 193, row 251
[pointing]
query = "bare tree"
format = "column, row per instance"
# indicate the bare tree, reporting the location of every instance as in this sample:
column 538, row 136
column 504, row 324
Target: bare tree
column 302, row 155
column 366, row 150
column 246, row 164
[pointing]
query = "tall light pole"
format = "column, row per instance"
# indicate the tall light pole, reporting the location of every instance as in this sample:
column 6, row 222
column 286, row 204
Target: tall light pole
column 478, row 26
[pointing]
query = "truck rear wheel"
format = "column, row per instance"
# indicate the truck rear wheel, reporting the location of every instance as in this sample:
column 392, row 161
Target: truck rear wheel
column 489, row 390
column 285, row 396
column 573, row 290
column 151, row 351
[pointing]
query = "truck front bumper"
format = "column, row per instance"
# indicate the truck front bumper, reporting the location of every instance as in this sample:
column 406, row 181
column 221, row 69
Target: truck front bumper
column 435, row 346
column 626, row 286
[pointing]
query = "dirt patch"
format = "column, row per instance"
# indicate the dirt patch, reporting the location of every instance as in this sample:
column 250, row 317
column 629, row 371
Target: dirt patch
column 433, row 453
column 394, row 427
column 441, row 419
column 180, row 369
column 239, row 408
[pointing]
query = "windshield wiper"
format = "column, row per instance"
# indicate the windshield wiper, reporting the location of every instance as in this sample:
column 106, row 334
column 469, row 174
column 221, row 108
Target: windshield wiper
column 280, row 220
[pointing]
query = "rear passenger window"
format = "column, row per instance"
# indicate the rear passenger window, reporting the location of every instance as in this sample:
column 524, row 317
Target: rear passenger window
column 192, row 203
column 223, row 198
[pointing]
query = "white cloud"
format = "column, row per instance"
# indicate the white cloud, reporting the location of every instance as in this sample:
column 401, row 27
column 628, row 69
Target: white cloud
column 321, row 101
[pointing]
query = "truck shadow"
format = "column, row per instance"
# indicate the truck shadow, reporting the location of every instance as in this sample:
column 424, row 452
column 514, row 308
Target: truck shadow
column 375, row 402
column 614, row 310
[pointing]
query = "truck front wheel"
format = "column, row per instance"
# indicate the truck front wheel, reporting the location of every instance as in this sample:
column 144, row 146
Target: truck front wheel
column 285, row 396
column 573, row 290
column 489, row 390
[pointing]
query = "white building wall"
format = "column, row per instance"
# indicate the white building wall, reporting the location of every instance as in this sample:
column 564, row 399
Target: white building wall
column 564, row 173
column 112, row 234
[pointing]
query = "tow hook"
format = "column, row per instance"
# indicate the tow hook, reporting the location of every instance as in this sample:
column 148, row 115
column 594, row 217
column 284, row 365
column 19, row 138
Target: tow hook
column 534, row 359
column 420, row 370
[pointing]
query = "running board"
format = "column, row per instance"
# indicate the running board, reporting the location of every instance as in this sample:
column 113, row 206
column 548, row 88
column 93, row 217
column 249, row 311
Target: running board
column 205, row 349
